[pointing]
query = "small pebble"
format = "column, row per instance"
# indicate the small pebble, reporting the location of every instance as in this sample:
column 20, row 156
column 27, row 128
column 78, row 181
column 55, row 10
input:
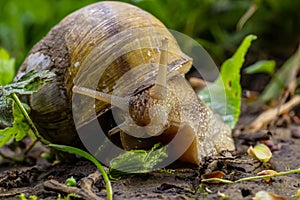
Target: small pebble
column 295, row 132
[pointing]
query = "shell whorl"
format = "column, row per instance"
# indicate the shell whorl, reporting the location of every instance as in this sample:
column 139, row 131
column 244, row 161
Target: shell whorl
column 108, row 46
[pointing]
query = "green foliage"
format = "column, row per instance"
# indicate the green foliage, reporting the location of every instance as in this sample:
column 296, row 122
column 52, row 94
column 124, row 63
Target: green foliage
column 28, row 84
column 22, row 24
column 261, row 152
column 211, row 22
column 283, row 78
column 12, row 119
column 7, row 67
column 137, row 161
column 90, row 158
column 19, row 129
column 23, row 197
column 71, row 182
column 68, row 197
column 262, row 66
column 227, row 104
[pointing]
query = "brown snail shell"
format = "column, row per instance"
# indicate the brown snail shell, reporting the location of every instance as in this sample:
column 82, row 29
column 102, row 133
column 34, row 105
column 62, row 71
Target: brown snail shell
column 117, row 41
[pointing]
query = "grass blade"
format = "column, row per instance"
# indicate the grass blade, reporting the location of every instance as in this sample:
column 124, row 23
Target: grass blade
column 90, row 158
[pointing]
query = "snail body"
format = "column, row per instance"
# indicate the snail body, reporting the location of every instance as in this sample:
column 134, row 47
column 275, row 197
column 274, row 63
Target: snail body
column 111, row 50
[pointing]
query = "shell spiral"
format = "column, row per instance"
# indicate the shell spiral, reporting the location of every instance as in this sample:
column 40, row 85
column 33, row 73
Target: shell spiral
column 108, row 46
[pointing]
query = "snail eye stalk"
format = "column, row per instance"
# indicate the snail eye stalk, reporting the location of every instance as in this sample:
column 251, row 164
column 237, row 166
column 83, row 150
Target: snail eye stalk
column 120, row 102
column 159, row 90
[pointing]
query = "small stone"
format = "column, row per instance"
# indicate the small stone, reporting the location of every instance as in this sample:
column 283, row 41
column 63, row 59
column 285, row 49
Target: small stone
column 295, row 132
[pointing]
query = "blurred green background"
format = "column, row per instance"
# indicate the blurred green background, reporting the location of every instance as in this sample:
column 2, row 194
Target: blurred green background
column 211, row 22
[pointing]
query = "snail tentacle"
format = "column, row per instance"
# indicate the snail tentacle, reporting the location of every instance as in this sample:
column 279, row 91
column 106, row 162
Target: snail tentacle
column 112, row 47
column 159, row 90
column 120, row 102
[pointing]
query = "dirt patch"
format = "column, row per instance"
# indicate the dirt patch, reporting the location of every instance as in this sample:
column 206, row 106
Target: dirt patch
column 172, row 184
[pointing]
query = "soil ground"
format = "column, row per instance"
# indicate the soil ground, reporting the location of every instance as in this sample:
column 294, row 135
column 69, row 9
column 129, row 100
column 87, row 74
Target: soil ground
column 180, row 183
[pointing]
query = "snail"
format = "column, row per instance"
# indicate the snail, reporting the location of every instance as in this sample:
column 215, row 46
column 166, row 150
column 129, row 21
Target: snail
column 120, row 56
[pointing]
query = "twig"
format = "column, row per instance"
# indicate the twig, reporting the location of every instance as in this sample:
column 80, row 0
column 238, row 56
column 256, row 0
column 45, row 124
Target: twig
column 21, row 158
column 15, row 191
column 88, row 182
column 291, row 87
column 270, row 114
column 246, row 16
column 33, row 143
column 254, row 137
column 90, row 158
column 293, row 84
column 15, row 159
column 86, row 194
column 30, row 122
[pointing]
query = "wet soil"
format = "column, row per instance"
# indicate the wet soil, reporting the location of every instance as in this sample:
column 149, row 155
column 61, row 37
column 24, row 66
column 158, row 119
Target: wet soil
column 178, row 183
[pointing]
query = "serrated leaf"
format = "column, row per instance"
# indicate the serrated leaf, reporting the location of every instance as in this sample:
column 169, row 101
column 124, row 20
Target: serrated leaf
column 262, row 66
column 261, row 152
column 28, row 84
column 6, row 107
column 19, row 129
column 224, row 95
column 7, row 67
column 137, row 161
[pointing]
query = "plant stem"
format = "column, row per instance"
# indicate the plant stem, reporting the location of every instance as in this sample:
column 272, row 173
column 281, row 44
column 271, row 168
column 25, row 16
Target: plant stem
column 106, row 180
column 30, row 147
column 90, row 158
column 246, row 16
column 30, row 122
column 252, row 178
column 269, row 175
column 217, row 180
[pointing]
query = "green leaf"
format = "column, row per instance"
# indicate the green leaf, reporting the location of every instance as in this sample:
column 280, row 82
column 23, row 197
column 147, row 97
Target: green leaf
column 263, row 66
column 28, row 84
column 33, row 197
column 90, row 158
column 19, row 129
column 6, row 107
column 7, row 67
column 137, row 161
column 71, row 182
column 261, row 152
column 224, row 95
column 69, row 196
column 282, row 78
column 22, row 196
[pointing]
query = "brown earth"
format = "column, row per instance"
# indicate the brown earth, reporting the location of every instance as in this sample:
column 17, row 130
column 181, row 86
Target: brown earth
column 183, row 183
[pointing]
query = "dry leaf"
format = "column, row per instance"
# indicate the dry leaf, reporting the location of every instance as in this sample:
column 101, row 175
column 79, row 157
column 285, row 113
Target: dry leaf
column 263, row 195
column 215, row 174
column 266, row 172
column 261, row 152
